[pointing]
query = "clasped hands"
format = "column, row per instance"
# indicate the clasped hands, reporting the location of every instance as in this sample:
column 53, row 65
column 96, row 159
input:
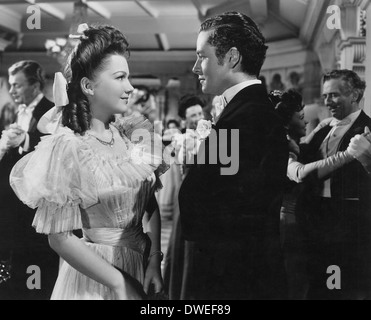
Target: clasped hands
column 360, row 147
column 12, row 137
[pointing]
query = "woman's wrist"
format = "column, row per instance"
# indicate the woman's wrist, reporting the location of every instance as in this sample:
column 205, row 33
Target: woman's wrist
column 155, row 258
column 156, row 254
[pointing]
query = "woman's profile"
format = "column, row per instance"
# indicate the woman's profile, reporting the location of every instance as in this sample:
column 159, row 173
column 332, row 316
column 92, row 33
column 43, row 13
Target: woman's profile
column 94, row 175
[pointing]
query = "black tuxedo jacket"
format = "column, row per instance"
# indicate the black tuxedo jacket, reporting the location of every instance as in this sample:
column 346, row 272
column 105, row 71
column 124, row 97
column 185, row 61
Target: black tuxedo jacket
column 15, row 217
column 348, row 182
column 234, row 219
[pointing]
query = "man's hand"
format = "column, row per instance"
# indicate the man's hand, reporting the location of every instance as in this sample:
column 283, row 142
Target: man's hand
column 360, row 145
column 360, row 148
column 14, row 136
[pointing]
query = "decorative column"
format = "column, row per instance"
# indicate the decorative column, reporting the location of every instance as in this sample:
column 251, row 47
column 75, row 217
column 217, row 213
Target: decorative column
column 352, row 45
column 367, row 102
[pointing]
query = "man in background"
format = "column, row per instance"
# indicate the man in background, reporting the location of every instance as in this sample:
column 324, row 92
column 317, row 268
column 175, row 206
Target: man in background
column 20, row 246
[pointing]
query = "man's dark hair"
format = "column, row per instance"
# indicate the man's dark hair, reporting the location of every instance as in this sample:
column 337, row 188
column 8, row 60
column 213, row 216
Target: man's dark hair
column 353, row 81
column 234, row 29
column 187, row 101
column 32, row 71
column 177, row 124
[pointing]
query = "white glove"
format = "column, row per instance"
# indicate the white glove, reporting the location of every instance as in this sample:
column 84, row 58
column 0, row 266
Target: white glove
column 360, row 148
column 360, row 145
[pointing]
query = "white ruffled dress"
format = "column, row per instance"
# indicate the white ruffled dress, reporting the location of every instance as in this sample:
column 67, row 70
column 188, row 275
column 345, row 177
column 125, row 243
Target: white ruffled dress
column 74, row 186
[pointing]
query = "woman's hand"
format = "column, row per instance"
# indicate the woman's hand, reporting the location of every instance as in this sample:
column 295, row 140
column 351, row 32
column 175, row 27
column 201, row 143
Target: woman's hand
column 153, row 275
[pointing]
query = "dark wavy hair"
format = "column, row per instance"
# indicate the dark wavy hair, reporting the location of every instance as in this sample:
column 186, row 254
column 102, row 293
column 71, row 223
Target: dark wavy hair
column 352, row 80
column 187, row 101
column 89, row 57
column 234, row 29
column 286, row 104
column 32, row 71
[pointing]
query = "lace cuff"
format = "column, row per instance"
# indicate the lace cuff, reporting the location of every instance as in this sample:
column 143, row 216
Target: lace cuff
column 52, row 218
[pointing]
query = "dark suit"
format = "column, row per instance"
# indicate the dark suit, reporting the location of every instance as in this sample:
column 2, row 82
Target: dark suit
column 18, row 239
column 234, row 219
column 337, row 228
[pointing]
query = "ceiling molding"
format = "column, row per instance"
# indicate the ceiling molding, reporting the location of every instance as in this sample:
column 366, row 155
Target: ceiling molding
column 48, row 9
column 98, row 9
column 259, row 9
column 293, row 29
column 143, row 25
column 10, row 19
column 201, row 12
column 229, row 6
column 146, row 8
column 316, row 11
column 163, row 41
column 60, row 1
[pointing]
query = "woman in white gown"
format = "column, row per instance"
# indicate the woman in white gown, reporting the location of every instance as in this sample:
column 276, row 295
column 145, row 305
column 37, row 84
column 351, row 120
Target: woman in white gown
column 91, row 175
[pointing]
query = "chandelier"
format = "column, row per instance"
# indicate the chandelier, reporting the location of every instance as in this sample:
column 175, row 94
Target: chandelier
column 61, row 47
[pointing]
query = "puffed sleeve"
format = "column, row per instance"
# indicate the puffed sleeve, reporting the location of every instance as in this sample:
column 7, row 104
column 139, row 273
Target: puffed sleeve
column 55, row 179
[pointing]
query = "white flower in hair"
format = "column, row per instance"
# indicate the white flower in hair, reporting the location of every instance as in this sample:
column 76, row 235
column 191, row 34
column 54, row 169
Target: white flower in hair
column 82, row 27
column 80, row 32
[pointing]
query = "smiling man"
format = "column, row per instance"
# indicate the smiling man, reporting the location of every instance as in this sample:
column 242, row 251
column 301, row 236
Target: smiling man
column 336, row 210
column 234, row 219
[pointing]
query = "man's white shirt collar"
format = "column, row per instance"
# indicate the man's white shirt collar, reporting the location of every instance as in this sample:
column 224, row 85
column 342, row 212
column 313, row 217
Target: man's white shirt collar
column 347, row 120
column 230, row 93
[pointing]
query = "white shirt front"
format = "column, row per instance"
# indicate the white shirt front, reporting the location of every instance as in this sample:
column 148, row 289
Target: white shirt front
column 330, row 144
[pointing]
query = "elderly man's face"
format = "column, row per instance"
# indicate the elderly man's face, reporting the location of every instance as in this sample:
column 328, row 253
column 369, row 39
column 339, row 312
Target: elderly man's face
column 21, row 91
column 340, row 100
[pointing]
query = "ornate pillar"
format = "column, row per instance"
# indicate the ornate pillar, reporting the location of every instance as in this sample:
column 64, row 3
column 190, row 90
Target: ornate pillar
column 367, row 102
column 352, row 44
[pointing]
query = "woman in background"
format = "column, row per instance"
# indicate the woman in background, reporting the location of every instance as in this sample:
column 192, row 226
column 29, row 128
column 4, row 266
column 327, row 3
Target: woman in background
column 289, row 106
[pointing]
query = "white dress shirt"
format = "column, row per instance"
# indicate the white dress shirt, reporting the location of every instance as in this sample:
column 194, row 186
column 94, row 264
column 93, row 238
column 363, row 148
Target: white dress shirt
column 330, row 144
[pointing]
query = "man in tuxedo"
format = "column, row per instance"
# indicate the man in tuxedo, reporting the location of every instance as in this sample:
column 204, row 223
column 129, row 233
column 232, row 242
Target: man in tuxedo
column 178, row 263
column 233, row 215
column 335, row 212
column 20, row 246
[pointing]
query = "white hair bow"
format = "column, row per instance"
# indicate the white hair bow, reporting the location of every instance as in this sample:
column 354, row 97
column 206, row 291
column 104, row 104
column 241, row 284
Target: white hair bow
column 50, row 122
